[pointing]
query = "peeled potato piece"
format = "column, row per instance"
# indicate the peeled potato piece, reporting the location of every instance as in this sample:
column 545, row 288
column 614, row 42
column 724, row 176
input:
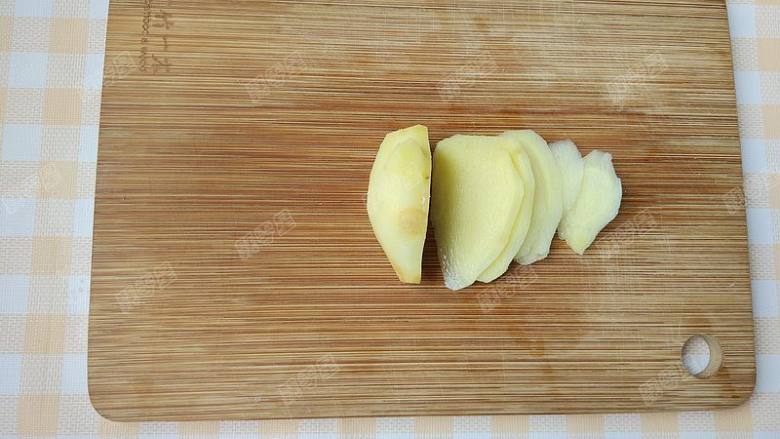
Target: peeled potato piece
column 522, row 222
column 570, row 165
column 548, row 198
column 398, row 197
column 476, row 197
column 597, row 204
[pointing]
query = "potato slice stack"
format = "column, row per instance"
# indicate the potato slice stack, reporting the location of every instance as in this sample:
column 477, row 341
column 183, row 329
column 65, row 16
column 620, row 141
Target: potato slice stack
column 493, row 199
column 472, row 221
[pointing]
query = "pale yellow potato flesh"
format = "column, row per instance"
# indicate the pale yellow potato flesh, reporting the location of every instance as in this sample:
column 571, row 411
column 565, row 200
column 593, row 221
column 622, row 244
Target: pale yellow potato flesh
column 476, row 198
column 398, row 199
column 597, row 204
column 570, row 165
column 522, row 222
column 548, row 197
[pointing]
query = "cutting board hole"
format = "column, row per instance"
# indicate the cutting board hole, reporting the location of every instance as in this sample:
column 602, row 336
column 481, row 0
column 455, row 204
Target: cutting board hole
column 702, row 355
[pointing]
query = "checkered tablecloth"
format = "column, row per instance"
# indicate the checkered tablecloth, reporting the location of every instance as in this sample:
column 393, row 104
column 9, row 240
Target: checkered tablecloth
column 51, row 61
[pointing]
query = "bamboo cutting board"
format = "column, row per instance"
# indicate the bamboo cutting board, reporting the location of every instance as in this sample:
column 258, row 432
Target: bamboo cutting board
column 235, row 274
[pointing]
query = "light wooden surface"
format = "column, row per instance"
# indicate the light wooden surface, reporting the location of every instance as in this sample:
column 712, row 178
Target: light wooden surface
column 274, row 108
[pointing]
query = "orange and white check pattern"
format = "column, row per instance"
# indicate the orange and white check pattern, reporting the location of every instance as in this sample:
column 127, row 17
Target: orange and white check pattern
column 51, row 63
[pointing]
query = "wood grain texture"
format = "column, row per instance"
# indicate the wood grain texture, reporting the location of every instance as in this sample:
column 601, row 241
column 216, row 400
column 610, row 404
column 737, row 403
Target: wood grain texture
column 220, row 116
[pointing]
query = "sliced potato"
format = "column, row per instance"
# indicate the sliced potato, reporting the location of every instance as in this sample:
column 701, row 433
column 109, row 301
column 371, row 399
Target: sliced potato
column 597, row 204
column 476, row 197
column 522, row 222
column 398, row 198
column 548, row 198
column 569, row 161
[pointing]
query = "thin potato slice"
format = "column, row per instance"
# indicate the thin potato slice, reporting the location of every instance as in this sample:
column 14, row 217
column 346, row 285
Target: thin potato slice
column 548, row 198
column 597, row 204
column 522, row 222
column 570, row 165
